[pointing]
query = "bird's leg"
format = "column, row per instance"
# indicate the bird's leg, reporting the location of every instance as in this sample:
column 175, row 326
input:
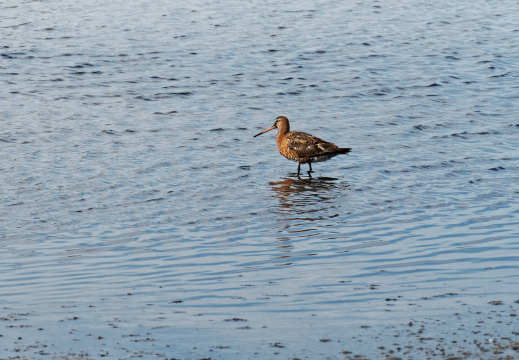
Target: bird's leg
column 310, row 164
column 298, row 168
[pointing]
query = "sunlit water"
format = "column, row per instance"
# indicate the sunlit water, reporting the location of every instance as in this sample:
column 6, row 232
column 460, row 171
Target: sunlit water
column 140, row 218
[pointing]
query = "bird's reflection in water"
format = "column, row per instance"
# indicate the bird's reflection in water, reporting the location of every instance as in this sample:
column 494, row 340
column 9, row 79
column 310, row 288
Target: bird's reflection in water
column 307, row 196
column 307, row 208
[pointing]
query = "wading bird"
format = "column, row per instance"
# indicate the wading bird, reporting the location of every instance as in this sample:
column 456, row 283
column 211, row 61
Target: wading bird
column 302, row 147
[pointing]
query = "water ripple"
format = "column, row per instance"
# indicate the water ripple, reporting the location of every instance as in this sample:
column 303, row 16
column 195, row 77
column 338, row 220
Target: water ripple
column 133, row 186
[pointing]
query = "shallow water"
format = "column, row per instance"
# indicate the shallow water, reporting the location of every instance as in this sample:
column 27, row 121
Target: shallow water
column 140, row 218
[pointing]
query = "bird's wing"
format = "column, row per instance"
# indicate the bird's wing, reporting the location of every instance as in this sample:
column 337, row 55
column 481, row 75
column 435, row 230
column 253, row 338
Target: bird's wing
column 306, row 145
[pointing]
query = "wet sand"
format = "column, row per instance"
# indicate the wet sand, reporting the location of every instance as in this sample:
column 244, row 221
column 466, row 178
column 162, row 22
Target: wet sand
column 489, row 332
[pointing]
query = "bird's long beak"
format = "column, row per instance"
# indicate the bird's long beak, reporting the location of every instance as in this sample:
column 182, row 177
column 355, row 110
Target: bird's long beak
column 264, row 131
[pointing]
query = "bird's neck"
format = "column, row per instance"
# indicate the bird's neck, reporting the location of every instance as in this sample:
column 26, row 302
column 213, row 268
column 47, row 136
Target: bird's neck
column 282, row 131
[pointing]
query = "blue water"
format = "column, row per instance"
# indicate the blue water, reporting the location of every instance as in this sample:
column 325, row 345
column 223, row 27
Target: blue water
column 139, row 217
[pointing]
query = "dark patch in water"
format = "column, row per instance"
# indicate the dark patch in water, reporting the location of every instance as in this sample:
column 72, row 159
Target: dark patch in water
column 172, row 94
column 141, row 97
column 155, row 200
column 166, row 113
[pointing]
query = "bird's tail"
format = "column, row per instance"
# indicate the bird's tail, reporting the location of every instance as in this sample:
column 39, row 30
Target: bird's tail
column 343, row 150
column 330, row 154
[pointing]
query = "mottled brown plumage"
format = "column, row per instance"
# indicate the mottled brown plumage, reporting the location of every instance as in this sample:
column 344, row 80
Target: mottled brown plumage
column 302, row 147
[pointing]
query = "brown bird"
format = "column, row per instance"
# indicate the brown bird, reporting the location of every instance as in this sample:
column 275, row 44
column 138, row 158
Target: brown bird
column 302, row 147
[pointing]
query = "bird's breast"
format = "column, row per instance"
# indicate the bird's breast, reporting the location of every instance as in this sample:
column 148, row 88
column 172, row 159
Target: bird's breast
column 286, row 151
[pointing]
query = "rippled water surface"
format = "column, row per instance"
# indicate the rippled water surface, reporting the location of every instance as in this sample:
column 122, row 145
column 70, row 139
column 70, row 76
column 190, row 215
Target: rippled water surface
column 139, row 217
